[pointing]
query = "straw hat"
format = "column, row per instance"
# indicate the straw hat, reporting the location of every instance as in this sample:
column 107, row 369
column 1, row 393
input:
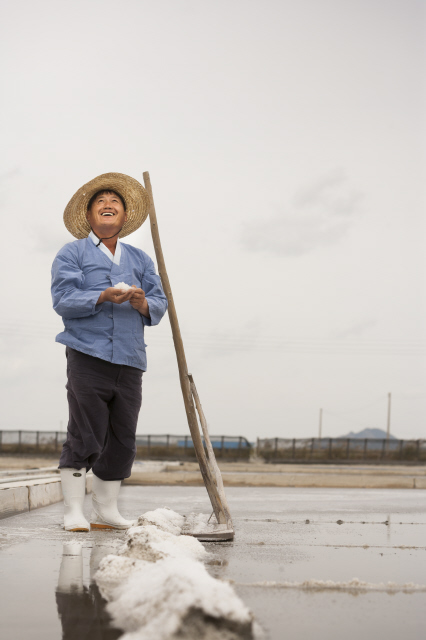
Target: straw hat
column 133, row 193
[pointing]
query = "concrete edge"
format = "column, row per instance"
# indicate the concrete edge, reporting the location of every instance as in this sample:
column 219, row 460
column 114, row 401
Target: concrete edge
column 19, row 497
column 28, row 472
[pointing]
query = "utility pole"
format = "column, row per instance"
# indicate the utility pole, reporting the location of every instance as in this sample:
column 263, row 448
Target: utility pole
column 388, row 422
column 320, row 425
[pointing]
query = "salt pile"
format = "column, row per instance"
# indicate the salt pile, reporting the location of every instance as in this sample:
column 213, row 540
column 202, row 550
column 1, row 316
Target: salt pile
column 123, row 286
column 164, row 519
column 157, row 587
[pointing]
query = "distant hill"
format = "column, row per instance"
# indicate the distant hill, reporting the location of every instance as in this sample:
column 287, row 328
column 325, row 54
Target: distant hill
column 369, row 433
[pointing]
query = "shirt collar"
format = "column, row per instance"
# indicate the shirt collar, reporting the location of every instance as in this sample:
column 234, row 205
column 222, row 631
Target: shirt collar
column 114, row 258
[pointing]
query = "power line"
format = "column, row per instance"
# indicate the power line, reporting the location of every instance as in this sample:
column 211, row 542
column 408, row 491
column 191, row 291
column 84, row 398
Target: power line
column 197, row 340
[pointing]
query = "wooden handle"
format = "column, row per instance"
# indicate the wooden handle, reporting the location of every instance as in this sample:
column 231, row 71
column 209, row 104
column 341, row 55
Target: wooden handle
column 183, row 368
column 210, row 453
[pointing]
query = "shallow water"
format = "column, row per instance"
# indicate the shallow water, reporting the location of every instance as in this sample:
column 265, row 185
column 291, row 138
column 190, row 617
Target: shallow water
column 283, row 535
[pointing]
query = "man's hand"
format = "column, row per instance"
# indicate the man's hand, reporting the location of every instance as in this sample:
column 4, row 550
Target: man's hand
column 135, row 296
column 116, row 295
column 139, row 302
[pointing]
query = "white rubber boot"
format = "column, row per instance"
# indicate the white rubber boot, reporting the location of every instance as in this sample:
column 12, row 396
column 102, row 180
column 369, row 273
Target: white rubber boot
column 74, row 489
column 105, row 514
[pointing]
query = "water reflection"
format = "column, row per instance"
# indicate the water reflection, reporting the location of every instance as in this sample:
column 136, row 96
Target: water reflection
column 81, row 609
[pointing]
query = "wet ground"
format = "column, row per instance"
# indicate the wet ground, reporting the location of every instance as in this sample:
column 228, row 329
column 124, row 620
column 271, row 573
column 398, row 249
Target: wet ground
column 284, row 537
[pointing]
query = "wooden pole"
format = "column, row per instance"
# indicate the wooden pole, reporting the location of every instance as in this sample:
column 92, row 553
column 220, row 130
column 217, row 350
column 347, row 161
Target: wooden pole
column 210, row 453
column 185, row 383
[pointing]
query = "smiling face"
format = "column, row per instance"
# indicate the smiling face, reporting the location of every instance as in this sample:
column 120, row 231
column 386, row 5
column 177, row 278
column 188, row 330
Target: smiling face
column 106, row 213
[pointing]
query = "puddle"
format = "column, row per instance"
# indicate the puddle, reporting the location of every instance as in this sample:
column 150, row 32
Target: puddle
column 47, row 592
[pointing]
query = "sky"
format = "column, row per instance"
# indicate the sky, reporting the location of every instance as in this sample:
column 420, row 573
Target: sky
column 285, row 143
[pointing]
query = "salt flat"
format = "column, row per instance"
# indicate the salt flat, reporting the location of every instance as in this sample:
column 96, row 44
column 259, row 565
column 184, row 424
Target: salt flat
column 296, row 554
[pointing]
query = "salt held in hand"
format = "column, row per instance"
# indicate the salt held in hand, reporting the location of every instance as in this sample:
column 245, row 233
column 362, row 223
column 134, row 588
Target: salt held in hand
column 122, row 285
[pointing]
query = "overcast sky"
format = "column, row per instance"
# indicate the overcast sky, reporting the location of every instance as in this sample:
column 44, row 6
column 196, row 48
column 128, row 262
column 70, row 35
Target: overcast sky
column 285, row 144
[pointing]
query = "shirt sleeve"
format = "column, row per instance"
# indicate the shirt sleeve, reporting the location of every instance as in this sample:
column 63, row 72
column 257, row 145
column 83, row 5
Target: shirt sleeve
column 154, row 294
column 69, row 299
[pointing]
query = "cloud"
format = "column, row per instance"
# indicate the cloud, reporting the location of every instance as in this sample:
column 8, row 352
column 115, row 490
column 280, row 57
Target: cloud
column 6, row 176
column 8, row 186
column 320, row 215
column 47, row 240
column 356, row 329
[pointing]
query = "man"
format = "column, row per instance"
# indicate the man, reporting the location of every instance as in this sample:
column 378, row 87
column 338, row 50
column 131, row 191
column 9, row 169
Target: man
column 104, row 338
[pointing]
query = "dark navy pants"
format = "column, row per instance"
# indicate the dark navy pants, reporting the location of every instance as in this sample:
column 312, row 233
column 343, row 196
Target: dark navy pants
column 104, row 402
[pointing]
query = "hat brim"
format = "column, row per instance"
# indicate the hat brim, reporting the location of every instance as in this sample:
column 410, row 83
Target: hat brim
column 134, row 194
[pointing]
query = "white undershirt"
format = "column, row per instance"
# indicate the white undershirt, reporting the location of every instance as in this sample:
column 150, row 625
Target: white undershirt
column 114, row 258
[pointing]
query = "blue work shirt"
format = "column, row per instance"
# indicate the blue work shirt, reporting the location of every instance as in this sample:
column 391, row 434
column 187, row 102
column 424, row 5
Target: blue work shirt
column 113, row 332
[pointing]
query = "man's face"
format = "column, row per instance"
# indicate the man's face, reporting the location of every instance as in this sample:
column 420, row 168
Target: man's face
column 107, row 214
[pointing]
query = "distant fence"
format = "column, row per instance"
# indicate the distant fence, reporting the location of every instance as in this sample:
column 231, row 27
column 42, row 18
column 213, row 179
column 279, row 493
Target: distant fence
column 171, row 447
column 31, row 441
column 341, row 450
column 181, row 447
column 148, row 446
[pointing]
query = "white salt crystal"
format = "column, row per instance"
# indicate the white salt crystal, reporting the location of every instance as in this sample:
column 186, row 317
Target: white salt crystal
column 157, row 580
column 113, row 571
column 151, row 543
column 122, row 285
column 154, row 600
column 164, row 519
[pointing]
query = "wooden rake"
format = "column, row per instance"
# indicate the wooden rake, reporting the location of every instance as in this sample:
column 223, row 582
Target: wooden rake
column 222, row 529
